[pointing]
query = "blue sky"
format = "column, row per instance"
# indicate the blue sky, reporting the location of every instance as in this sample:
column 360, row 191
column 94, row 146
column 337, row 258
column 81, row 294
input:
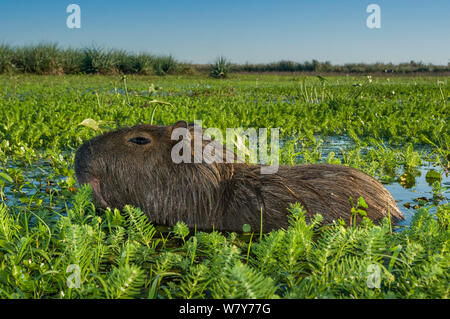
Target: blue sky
column 247, row 30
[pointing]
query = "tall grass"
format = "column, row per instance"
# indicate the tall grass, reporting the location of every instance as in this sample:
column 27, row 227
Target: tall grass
column 6, row 56
column 97, row 60
column 39, row 59
column 71, row 61
column 51, row 59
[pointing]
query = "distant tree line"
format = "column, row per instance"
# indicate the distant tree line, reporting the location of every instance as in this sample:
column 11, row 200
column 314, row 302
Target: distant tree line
column 316, row 66
column 51, row 59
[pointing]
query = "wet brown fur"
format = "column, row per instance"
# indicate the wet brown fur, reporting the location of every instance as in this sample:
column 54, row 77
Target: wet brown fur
column 220, row 195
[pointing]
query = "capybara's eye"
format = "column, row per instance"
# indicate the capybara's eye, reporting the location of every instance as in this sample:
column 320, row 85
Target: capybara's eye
column 139, row 140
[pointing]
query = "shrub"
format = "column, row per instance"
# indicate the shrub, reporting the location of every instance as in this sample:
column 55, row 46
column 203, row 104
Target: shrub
column 6, row 57
column 124, row 61
column 71, row 61
column 164, row 65
column 98, row 60
column 220, row 68
column 39, row 59
column 143, row 63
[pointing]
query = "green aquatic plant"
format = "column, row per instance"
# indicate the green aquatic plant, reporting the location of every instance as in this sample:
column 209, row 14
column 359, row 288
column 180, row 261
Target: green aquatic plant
column 55, row 244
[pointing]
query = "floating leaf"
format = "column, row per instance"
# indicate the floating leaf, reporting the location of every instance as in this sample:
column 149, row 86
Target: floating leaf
column 407, row 180
column 246, row 228
column 160, row 102
column 6, row 177
column 93, row 124
column 433, row 176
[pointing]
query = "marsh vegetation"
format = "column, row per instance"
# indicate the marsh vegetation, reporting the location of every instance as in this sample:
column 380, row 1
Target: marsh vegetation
column 396, row 129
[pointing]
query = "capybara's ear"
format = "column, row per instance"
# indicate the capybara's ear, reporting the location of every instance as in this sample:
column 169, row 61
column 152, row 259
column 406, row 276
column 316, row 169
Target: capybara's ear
column 180, row 124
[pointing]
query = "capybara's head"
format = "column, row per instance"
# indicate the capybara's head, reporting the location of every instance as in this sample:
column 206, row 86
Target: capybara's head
column 134, row 166
column 109, row 161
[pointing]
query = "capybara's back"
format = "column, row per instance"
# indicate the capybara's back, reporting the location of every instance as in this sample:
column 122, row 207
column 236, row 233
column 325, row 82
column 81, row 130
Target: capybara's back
column 134, row 166
column 327, row 189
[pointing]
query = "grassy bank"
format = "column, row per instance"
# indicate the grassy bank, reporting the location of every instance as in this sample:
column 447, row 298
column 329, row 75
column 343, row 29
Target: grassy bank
column 52, row 59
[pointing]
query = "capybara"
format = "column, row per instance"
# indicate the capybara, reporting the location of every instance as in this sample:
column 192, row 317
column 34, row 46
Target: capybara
column 134, row 166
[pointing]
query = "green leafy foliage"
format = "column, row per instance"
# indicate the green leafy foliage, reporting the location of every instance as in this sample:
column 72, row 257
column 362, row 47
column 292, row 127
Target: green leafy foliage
column 306, row 260
column 51, row 234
